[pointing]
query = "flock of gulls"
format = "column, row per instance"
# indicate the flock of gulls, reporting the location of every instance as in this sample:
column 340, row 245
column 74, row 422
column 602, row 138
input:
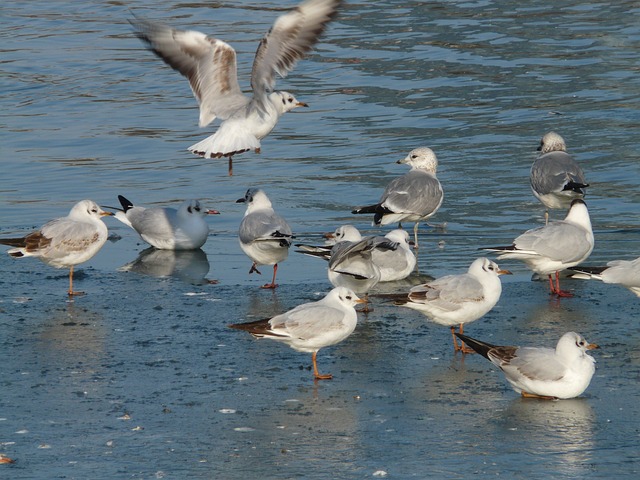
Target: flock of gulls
column 355, row 264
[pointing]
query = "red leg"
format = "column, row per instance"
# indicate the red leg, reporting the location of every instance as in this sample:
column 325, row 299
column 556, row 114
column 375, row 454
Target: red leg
column 463, row 347
column 71, row 292
column 561, row 293
column 316, row 374
column 273, row 281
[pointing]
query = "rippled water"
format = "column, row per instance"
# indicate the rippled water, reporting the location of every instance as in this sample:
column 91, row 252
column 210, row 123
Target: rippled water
column 86, row 112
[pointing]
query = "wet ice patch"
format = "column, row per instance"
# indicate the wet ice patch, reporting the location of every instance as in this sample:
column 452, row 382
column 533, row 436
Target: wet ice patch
column 243, row 429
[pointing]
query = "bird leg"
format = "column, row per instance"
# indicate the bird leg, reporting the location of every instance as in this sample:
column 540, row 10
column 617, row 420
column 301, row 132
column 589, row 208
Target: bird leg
column 462, row 348
column 455, row 341
column 556, row 289
column 273, row 281
column 71, row 293
column 316, row 374
column 254, row 268
column 533, row 395
column 546, row 217
column 415, row 236
column 230, row 165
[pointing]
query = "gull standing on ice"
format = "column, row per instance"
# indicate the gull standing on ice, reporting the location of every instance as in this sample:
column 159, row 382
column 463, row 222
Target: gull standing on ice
column 555, row 246
column 556, row 178
column 210, row 66
column 621, row 272
column 543, row 372
column 168, row 228
column 458, row 299
column 67, row 241
column 413, row 197
column 311, row 326
column 265, row 237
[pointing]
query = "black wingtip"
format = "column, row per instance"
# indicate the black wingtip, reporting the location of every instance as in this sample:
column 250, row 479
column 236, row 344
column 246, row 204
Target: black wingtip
column 126, row 204
column 480, row 347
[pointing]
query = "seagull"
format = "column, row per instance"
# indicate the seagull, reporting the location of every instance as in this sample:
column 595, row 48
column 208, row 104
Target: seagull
column 543, row 372
column 311, row 326
column 556, row 178
column 66, row 241
column 394, row 264
column 458, row 299
column 621, row 272
column 210, row 66
column 350, row 260
column 265, row 237
column 413, row 197
column 391, row 254
column 168, row 228
column 555, row 246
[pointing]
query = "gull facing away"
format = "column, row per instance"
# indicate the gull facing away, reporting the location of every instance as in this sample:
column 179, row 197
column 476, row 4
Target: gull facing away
column 168, row 228
column 556, row 179
column 413, row 197
column 554, row 247
column 265, row 237
column 311, row 326
column 458, row 299
column 546, row 373
column 621, row 272
column 210, row 66
column 66, row 241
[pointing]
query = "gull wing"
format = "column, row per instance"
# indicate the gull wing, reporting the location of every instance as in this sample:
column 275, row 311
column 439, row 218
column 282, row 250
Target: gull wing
column 208, row 63
column 290, row 38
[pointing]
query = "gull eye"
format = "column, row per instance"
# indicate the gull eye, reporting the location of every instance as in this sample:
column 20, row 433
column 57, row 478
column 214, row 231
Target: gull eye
column 349, row 297
column 197, row 209
column 290, row 99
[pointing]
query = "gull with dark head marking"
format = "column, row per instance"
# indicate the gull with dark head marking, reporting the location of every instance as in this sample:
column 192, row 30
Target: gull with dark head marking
column 168, row 228
column 311, row 326
column 413, row 197
column 620, row 272
column 265, row 237
column 554, row 247
column 67, row 241
column 210, row 66
column 556, row 178
column 455, row 300
column 545, row 373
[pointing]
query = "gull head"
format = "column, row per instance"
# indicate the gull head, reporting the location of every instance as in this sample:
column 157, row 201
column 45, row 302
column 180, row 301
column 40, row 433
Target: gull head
column 552, row 142
column 255, row 198
column 285, row 102
column 571, row 345
column 193, row 207
column 87, row 209
column 344, row 233
column 484, row 266
column 343, row 296
column 421, row 158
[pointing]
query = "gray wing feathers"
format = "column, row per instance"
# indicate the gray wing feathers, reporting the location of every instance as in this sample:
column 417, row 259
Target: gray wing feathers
column 416, row 192
column 554, row 241
column 552, row 171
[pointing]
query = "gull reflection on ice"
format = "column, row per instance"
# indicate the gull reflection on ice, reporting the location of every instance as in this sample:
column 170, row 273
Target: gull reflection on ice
column 190, row 266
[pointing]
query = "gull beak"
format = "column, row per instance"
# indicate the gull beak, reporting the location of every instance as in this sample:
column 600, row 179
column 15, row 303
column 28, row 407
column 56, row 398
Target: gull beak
column 106, row 214
column 361, row 300
column 301, row 104
column 592, row 346
column 504, row 272
column 213, row 212
column 240, row 200
column 328, row 235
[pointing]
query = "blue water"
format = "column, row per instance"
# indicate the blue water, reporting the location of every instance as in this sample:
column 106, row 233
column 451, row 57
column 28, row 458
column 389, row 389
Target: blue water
column 87, row 112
